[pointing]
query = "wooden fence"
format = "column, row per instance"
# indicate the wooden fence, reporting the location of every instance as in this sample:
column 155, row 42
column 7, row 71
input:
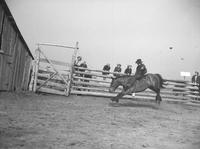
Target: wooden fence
column 92, row 82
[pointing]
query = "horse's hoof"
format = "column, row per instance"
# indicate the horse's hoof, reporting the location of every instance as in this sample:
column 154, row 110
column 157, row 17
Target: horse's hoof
column 117, row 100
column 158, row 102
column 113, row 99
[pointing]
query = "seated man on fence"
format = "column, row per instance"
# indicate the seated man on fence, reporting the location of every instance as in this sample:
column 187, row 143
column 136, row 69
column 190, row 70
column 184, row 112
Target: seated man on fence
column 77, row 62
column 117, row 69
column 128, row 70
column 198, row 83
column 88, row 76
column 82, row 65
column 196, row 80
column 106, row 68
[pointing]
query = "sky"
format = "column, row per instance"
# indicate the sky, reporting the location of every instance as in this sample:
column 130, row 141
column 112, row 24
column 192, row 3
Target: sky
column 116, row 31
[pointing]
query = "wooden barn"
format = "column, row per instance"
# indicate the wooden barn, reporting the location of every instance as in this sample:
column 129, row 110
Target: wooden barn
column 15, row 56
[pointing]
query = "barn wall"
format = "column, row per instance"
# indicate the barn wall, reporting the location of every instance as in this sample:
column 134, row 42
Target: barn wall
column 15, row 56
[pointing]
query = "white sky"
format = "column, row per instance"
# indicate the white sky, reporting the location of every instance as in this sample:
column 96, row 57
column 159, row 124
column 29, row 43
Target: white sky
column 117, row 31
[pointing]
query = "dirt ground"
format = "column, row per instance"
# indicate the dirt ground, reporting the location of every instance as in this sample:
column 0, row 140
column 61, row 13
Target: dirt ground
column 30, row 121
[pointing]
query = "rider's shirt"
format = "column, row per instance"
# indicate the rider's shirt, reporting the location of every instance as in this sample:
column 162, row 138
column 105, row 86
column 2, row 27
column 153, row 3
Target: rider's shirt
column 141, row 69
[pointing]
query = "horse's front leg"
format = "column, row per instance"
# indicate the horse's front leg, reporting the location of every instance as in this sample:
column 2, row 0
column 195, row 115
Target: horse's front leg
column 122, row 93
column 119, row 95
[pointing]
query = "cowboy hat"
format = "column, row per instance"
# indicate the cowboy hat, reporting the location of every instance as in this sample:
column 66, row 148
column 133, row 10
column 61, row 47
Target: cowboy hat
column 138, row 61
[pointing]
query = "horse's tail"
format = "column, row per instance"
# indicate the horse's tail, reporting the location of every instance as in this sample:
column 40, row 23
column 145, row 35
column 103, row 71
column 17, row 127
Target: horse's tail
column 161, row 80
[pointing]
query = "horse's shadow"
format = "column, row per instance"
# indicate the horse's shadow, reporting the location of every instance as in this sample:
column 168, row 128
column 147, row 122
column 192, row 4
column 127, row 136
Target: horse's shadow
column 135, row 105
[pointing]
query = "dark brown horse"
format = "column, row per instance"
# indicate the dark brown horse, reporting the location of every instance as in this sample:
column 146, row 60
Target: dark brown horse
column 151, row 81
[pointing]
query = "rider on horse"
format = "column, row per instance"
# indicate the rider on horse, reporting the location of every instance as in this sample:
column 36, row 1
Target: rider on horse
column 141, row 70
column 137, row 83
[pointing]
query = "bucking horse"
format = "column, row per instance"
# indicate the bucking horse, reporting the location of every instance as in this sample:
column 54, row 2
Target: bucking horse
column 151, row 81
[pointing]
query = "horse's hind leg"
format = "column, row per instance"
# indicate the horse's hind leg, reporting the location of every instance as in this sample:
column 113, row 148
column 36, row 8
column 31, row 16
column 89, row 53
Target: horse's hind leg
column 158, row 97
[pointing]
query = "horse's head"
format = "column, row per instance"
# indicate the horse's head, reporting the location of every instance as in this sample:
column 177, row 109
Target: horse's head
column 114, row 84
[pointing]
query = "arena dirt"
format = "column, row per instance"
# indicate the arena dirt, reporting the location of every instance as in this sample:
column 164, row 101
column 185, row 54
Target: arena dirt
column 30, row 121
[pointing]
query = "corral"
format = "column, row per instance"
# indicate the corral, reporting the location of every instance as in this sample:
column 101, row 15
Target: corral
column 49, row 121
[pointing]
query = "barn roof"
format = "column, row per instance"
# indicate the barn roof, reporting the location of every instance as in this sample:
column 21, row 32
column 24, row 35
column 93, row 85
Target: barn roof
column 13, row 23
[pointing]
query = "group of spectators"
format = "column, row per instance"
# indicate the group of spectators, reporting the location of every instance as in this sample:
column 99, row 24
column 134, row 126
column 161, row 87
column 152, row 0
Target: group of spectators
column 117, row 69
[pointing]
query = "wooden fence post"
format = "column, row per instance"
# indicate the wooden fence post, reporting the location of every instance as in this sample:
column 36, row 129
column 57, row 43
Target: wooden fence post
column 72, row 66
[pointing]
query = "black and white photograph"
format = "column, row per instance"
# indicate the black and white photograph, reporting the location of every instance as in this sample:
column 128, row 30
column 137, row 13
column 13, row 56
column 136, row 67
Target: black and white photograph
column 99, row 74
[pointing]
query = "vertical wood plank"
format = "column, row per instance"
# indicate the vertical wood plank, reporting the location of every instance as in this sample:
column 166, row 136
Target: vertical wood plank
column 15, row 55
column 12, row 58
column 8, row 58
column 1, row 56
column 17, row 63
column 5, row 47
column 21, row 68
column 26, row 72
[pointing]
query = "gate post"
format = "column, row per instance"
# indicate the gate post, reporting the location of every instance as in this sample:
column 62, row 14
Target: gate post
column 72, row 66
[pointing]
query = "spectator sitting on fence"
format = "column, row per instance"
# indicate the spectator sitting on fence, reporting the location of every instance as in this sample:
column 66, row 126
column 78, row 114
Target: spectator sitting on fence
column 195, row 78
column 117, row 69
column 106, row 68
column 77, row 62
column 128, row 70
column 82, row 65
column 87, row 76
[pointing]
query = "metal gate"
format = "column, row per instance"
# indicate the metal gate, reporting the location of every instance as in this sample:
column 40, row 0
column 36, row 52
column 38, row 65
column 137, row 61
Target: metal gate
column 52, row 76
